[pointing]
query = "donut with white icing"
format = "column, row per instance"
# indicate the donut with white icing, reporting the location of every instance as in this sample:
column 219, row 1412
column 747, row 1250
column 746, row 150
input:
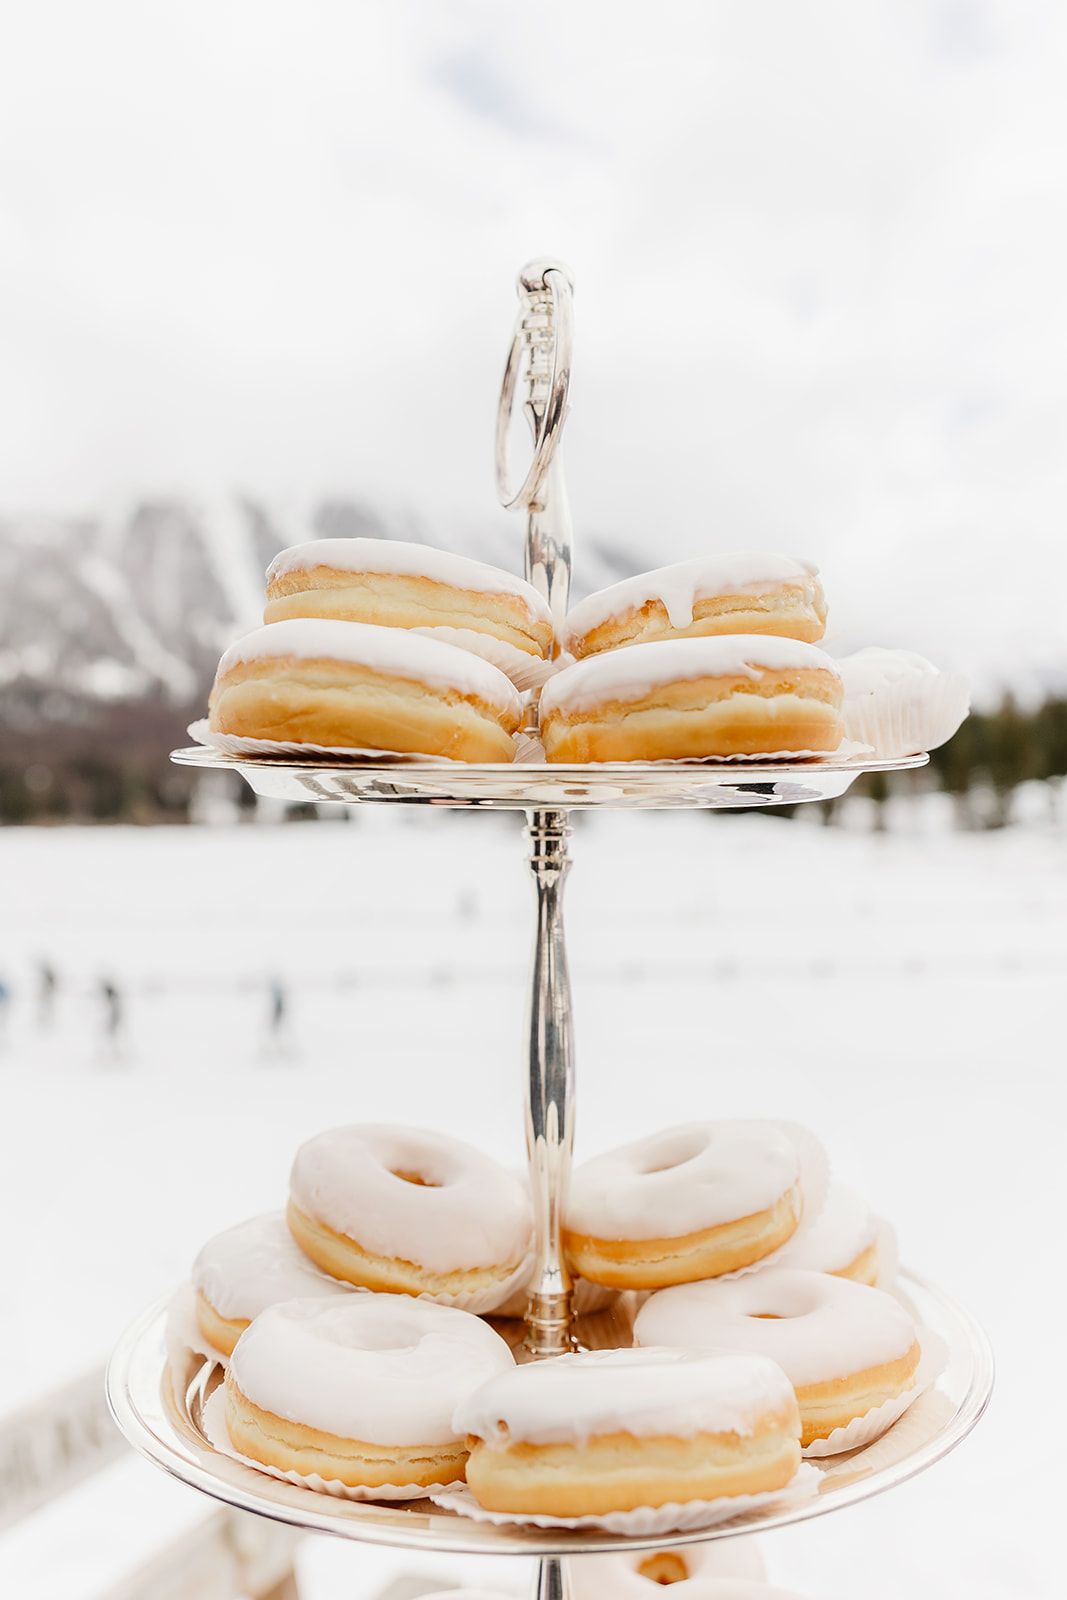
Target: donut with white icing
column 842, row 1239
column 845, row 1347
column 353, row 685
column 737, row 593
column 359, row 1390
column 612, row 1430
column 694, row 699
column 399, row 585
column 405, row 1211
column 688, row 1569
column 241, row 1272
column 688, row 1203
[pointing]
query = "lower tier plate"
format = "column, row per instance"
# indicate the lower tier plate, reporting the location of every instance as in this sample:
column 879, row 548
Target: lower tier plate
column 625, row 785
column 166, row 1427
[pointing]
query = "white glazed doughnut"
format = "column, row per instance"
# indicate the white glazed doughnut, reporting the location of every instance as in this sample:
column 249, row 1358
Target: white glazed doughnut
column 612, row 1430
column 691, row 699
column 410, row 1212
column 360, row 1390
column 899, row 703
column 400, row 585
column 845, row 1347
column 241, row 1272
column 351, row 685
column 842, row 1239
column 641, row 1574
column 737, row 593
column 691, row 1202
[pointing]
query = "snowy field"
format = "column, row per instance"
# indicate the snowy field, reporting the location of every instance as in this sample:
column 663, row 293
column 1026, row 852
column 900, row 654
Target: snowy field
column 902, row 995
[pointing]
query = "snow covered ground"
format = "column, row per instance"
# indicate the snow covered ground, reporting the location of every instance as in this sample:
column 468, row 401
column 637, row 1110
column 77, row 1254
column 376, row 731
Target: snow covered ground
column 902, row 995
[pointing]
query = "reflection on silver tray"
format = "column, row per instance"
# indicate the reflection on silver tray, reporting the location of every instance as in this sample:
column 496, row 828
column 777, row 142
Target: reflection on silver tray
column 630, row 785
column 166, row 1427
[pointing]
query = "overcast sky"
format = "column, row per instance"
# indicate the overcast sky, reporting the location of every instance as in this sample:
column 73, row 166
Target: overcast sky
column 820, row 252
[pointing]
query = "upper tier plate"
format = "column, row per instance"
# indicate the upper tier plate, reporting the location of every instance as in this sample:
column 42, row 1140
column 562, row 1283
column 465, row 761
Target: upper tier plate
column 167, row 1429
column 629, row 785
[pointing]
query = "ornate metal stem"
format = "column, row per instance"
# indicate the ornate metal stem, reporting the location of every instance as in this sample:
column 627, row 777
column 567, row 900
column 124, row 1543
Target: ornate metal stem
column 542, row 340
column 551, row 1580
column 550, row 1098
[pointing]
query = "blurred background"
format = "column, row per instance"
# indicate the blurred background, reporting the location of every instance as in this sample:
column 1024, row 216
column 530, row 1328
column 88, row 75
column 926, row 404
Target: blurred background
column 256, row 285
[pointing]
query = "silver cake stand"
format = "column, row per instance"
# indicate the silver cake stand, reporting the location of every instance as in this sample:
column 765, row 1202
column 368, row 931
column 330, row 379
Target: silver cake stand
column 166, row 1425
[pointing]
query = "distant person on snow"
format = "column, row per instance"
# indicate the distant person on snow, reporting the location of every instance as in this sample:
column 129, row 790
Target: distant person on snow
column 113, row 1018
column 47, row 987
column 277, row 1019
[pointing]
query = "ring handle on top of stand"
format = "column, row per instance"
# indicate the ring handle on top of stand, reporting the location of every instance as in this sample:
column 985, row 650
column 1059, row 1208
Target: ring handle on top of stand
column 544, row 330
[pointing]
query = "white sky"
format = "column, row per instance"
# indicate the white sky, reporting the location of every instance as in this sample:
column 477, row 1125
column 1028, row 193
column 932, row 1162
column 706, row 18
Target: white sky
column 820, row 250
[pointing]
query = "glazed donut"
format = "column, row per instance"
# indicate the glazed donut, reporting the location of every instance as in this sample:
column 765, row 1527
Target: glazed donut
column 611, row 1430
column 401, row 585
column 690, row 699
column 241, row 1272
column 741, row 593
column 359, row 1390
column 691, row 1202
column 845, row 1347
column 842, row 1239
column 640, row 1574
column 410, row 1212
column 350, row 684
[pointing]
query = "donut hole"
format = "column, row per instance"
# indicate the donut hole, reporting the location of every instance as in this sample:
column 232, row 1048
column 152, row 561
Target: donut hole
column 419, row 1179
column 673, row 1151
column 664, row 1566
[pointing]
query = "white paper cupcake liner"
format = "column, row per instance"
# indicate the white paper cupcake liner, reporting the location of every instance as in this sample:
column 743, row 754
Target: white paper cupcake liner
column 847, row 750
column 524, row 670
column 814, row 1183
column 529, row 751
column 482, row 1301
column 863, row 1430
column 232, row 744
column 916, row 713
column 218, row 1436
column 644, row 1520
column 185, row 1344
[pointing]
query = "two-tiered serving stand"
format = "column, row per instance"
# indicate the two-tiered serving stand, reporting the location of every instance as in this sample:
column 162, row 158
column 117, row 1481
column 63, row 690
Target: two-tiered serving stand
column 167, row 1426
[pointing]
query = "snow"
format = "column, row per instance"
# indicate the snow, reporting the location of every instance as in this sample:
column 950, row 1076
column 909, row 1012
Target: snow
column 901, row 994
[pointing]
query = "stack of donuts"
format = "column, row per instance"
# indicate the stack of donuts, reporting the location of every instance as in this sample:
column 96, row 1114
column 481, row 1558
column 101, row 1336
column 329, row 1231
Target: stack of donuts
column 379, row 645
column 361, row 1333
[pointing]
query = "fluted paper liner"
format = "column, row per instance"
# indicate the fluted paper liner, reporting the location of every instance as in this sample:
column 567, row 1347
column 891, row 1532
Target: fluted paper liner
column 672, row 1518
column 916, row 713
column 233, row 744
column 528, row 752
column 217, row 1434
column 864, row 1430
column 482, row 1301
column 183, row 1338
column 524, row 670
column 814, row 1183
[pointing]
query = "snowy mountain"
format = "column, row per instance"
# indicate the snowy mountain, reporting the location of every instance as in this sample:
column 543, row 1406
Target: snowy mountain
column 138, row 605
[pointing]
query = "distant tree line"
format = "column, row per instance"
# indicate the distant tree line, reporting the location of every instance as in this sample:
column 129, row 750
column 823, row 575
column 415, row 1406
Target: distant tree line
column 112, row 766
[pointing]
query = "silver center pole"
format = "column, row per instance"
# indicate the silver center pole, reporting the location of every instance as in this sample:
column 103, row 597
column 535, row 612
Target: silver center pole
column 550, row 1097
column 551, row 1579
column 542, row 339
